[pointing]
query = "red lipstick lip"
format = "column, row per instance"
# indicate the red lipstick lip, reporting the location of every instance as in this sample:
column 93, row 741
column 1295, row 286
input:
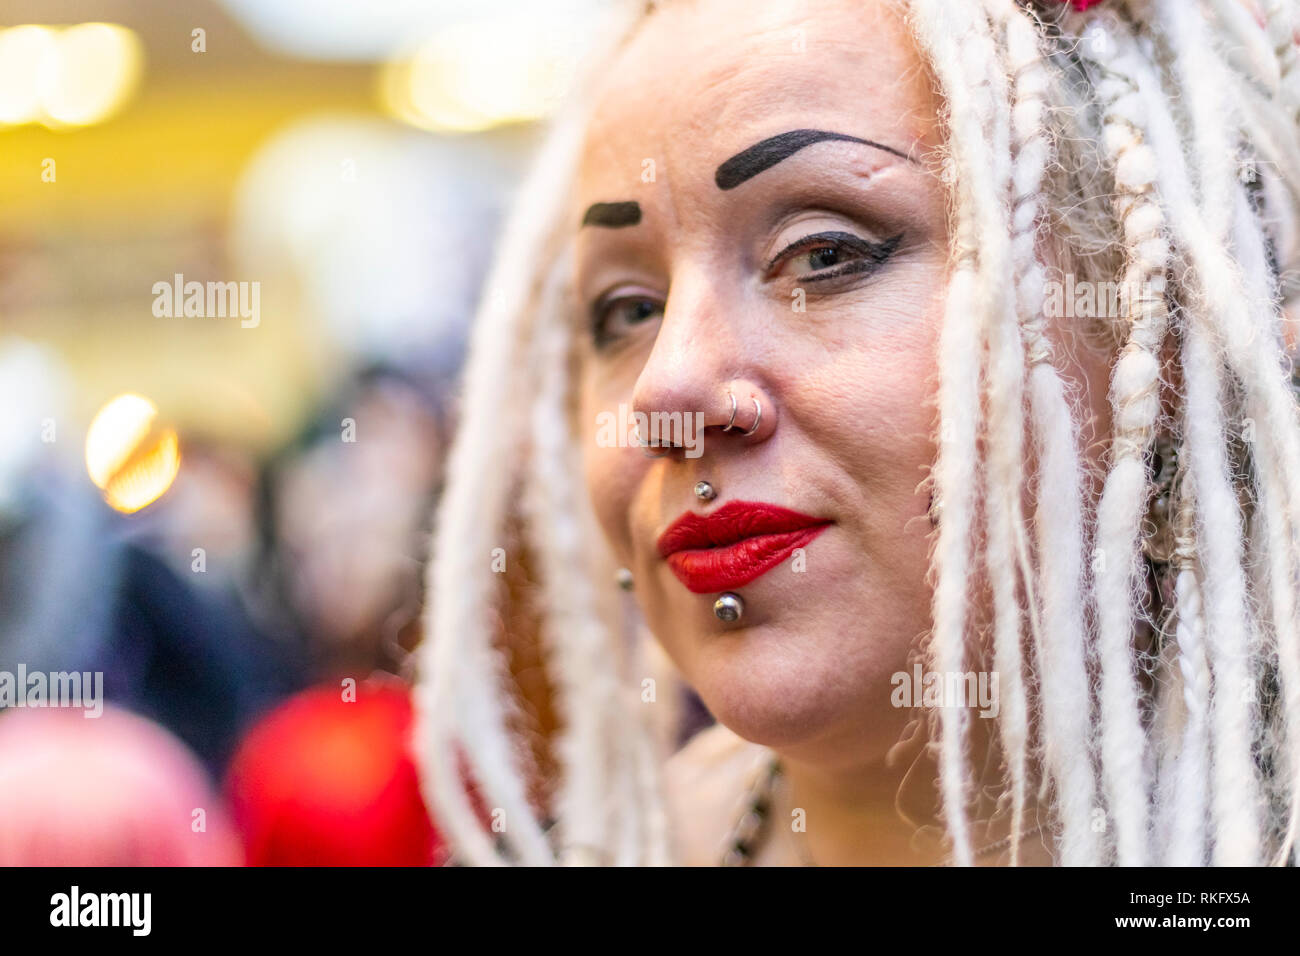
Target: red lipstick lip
column 739, row 542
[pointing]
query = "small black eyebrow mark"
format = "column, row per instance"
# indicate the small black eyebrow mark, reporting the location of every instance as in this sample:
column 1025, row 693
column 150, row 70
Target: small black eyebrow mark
column 613, row 215
column 764, row 155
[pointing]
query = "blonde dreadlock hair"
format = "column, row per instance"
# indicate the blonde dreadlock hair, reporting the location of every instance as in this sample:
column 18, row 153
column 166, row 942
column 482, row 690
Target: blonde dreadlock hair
column 1151, row 142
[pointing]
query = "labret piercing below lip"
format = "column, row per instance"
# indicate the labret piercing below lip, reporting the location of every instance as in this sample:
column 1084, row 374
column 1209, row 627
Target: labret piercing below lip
column 734, row 545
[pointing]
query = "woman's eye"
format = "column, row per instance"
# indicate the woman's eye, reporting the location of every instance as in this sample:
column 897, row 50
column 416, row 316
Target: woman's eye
column 824, row 258
column 613, row 318
column 831, row 255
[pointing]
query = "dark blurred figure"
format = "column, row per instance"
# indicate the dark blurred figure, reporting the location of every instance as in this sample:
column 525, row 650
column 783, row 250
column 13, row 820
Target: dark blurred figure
column 83, row 588
column 345, row 517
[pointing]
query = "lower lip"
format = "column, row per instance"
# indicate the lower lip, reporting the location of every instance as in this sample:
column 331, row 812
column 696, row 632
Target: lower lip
column 722, row 569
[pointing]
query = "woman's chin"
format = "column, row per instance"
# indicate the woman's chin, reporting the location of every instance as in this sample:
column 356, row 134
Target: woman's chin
column 767, row 685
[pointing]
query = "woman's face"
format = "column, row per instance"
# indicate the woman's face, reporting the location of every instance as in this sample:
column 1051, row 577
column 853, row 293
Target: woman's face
column 801, row 270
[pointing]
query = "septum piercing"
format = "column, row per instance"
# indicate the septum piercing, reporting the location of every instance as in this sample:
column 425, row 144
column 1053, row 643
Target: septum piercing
column 732, row 420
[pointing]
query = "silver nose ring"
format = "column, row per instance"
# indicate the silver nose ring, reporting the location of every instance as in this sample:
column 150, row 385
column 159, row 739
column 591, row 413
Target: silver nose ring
column 758, row 417
column 731, row 421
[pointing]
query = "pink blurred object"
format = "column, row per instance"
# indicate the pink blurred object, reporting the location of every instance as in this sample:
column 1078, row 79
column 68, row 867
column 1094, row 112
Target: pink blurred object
column 116, row 790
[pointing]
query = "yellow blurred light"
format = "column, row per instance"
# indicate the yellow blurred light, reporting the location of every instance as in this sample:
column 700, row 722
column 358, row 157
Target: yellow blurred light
column 145, row 479
column 27, row 54
column 128, row 455
column 98, row 67
column 67, row 76
column 477, row 75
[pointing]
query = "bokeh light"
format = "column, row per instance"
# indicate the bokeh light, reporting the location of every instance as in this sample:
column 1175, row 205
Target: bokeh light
column 479, row 74
column 131, row 459
column 67, row 76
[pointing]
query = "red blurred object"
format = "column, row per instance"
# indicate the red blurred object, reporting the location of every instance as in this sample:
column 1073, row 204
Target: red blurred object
column 326, row 782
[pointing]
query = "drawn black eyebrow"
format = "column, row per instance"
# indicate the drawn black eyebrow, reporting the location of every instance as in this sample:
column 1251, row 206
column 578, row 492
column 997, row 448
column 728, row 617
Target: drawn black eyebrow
column 750, row 162
column 613, row 215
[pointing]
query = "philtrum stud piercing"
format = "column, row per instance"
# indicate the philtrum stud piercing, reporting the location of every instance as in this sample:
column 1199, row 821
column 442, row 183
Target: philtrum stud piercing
column 729, row 607
column 705, row 491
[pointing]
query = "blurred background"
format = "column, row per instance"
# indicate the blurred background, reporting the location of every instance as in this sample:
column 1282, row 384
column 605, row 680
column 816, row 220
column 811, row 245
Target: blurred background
column 240, row 245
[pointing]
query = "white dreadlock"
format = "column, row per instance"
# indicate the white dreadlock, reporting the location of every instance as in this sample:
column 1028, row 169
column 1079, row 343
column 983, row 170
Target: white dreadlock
column 1059, row 513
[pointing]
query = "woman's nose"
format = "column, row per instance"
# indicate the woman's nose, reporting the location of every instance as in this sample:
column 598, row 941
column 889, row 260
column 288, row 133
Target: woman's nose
column 699, row 372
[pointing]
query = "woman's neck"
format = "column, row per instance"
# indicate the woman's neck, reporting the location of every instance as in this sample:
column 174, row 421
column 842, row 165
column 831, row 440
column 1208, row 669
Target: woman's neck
column 882, row 812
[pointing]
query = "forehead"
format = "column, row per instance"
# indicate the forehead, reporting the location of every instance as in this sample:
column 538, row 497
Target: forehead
column 703, row 80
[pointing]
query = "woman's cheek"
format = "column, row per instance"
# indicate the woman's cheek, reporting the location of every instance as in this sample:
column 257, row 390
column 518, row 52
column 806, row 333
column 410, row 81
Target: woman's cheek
column 614, row 468
column 612, row 477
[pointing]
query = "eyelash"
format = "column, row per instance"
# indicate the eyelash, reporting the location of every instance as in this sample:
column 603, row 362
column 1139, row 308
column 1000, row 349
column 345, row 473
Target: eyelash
column 600, row 315
column 872, row 255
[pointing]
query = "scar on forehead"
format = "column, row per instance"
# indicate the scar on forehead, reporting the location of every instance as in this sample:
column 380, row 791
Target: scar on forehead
column 612, row 215
column 764, row 155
